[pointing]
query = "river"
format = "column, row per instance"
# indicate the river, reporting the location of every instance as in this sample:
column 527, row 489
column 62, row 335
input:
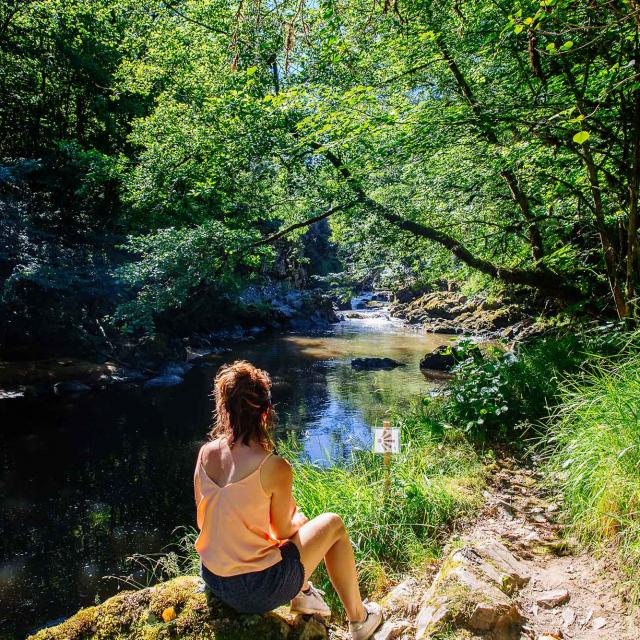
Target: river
column 86, row 483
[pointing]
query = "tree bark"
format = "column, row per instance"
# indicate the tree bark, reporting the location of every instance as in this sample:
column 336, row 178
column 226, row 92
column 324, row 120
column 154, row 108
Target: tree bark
column 633, row 266
column 610, row 258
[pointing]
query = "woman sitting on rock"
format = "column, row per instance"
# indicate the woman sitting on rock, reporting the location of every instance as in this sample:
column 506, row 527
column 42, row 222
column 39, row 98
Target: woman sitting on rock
column 257, row 548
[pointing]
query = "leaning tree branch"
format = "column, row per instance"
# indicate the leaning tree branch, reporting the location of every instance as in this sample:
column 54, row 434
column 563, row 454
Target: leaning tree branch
column 305, row 223
column 542, row 279
column 489, row 134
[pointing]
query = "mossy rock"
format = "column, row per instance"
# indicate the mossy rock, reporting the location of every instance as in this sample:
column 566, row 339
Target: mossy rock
column 191, row 614
column 473, row 591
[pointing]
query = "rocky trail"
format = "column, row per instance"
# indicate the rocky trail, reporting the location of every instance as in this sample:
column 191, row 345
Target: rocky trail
column 510, row 576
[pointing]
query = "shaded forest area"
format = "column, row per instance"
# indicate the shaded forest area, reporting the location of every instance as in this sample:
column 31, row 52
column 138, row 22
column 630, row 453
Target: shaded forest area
column 161, row 157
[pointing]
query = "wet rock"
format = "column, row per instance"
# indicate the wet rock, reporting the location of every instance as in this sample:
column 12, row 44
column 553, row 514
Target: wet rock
column 255, row 331
column 441, row 359
column 408, row 294
column 342, row 304
column 163, row 381
column 176, row 369
column 551, row 599
column 70, row 388
column 38, row 390
column 375, row 363
column 11, row 394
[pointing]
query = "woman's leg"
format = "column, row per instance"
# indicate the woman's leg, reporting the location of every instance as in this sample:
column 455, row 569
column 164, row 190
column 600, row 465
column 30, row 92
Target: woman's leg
column 325, row 537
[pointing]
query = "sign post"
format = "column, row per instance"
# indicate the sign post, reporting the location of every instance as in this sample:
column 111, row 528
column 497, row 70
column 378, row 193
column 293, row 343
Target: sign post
column 386, row 441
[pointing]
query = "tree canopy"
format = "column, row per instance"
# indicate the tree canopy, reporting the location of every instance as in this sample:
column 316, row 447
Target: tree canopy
column 492, row 137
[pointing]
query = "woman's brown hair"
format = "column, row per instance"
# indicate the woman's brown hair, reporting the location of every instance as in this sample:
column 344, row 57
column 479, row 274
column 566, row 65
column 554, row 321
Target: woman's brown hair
column 244, row 412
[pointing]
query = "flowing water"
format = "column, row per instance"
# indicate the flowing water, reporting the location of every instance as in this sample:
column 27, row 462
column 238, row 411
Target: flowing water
column 86, row 483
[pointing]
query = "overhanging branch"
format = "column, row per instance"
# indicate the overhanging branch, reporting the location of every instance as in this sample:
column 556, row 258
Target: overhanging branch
column 305, row 223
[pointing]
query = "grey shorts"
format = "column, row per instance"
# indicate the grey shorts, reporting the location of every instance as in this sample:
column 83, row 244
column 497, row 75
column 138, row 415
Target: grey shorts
column 260, row 591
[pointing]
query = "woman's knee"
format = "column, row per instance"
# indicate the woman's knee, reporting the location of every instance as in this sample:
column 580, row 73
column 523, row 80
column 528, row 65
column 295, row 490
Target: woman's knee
column 336, row 523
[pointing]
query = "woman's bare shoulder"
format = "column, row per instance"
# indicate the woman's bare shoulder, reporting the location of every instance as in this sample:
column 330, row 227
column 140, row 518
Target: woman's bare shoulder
column 210, row 451
column 277, row 471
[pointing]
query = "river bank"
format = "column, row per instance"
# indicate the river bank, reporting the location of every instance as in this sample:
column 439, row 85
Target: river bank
column 162, row 360
column 506, row 574
column 447, row 310
column 104, row 490
column 120, row 480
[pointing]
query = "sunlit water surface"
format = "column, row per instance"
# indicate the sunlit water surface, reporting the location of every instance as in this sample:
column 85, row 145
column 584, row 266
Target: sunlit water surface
column 86, row 483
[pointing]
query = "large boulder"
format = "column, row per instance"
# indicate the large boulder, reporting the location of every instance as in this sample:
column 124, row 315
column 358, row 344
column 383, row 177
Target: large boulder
column 440, row 359
column 181, row 609
column 163, row 381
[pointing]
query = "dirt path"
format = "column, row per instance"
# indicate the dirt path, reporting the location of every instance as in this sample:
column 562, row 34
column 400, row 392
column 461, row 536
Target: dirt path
column 590, row 605
column 568, row 594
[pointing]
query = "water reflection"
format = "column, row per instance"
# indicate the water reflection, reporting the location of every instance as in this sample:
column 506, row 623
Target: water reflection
column 87, row 483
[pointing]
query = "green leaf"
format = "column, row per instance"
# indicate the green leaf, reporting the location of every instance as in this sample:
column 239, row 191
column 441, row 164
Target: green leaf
column 567, row 45
column 581, row 137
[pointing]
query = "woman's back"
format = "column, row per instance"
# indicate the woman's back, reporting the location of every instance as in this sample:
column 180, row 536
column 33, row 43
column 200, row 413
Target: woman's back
column 224, row 465
column 233, row 510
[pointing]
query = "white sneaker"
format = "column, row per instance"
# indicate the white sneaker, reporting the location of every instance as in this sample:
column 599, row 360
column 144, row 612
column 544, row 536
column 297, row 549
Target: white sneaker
column 310, row 602
column 364, row 630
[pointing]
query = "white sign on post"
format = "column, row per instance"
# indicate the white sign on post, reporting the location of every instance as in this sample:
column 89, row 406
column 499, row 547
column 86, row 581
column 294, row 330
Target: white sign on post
column 386, row 440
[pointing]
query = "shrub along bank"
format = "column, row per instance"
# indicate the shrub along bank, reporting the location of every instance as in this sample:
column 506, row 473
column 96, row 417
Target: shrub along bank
column 573, row 399
column 500, row 395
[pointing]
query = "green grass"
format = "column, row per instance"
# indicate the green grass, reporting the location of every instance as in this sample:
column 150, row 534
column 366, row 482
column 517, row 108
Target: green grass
column 433, row 482
column 593, row 453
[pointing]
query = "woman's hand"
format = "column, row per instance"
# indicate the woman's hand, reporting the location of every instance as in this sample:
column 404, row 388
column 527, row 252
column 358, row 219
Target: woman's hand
column 298, row 520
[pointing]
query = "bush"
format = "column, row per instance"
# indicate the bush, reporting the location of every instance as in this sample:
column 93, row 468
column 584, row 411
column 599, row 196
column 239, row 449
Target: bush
column 496, row 393
column 593, row 454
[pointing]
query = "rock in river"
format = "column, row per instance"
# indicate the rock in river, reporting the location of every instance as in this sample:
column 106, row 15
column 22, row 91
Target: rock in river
column 442, row 359
column 70, row 388
column 375, row 363
column 163, row 381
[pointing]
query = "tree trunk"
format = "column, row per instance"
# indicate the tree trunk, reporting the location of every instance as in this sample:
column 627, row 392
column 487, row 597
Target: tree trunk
column 518, row 195
column 610, row 257
column 633, row 266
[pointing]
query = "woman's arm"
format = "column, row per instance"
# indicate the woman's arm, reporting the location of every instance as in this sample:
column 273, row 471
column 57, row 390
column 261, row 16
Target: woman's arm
column 286, row 519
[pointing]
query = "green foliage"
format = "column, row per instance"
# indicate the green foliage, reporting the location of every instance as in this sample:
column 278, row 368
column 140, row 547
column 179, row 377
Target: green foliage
column 496, row 393
column 504, row 131
column 592, row 451
column 174, row 262
column 57, row 65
